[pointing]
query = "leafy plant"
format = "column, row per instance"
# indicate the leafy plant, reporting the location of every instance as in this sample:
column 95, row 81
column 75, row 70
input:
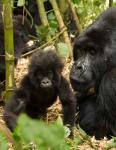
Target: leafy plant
column 21, row 3
column 42, row 31
column 53, row 23
column 3, row 142
column 89, row 10
column 39, row 134
column 111, row 145
column 62, row 49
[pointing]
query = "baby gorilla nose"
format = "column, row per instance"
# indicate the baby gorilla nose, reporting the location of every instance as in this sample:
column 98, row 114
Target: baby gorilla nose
column 46, row 83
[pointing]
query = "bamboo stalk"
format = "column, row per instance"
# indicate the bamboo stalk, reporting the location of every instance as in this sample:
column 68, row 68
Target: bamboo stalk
column 61, row 25
column 43, row 16
column 9, row 47
column 62, row 5
column 74, row 15
column 110, row 3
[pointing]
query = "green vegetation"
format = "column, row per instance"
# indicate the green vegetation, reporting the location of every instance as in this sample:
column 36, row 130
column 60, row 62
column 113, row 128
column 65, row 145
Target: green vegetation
column 37, row 135
column 89, row 10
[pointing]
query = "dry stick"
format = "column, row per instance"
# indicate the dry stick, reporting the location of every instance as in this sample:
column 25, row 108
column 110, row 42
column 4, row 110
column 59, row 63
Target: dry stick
column 44, row 45
column 6, row 132
column 62, row 25
column 75, row 16
column 50, row 41
column 43, row 16
column 28, row 13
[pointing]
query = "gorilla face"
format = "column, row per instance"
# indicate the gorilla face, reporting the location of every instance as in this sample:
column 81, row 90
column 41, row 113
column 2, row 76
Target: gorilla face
column 45, row 74
column 89, row 64
column 45, row 80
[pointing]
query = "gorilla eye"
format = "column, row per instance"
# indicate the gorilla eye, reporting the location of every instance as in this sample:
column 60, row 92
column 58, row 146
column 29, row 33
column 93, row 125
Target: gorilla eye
column 50, row 74
column 92, row 52
column 40, row 76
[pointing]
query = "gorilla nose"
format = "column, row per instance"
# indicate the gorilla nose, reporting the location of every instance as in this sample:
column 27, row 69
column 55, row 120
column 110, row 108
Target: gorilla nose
column 46, row 83
column 79, row 67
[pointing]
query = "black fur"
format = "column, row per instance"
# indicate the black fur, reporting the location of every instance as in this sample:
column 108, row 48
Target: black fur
column 95, row 67
column 39, row 90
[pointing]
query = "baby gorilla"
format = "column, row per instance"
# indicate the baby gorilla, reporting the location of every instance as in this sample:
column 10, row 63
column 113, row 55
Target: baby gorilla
column 39, row 90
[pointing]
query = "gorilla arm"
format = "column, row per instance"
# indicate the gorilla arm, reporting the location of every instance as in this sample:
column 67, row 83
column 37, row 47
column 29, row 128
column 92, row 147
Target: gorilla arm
column 68, row 102
column 15, row 106
column 107, row 100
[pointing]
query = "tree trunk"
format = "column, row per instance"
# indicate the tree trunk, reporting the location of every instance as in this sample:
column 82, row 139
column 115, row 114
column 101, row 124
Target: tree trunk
column 9, row 47
column 61, row 26
column 110, row 3
column 62, row 5
column 43, row 16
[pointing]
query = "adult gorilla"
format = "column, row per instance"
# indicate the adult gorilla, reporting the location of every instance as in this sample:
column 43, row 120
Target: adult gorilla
column 95, row 68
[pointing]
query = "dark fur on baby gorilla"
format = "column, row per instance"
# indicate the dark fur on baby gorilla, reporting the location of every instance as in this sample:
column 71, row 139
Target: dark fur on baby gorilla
column 95, row 67
column 39, row 90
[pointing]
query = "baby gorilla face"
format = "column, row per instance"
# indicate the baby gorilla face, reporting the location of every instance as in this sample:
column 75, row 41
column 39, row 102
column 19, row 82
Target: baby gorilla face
column 45, row 70
column 45, row 79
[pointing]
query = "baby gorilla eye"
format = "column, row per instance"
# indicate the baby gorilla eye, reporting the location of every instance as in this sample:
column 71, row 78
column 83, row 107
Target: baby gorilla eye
column 39, row 75
column 50, row 74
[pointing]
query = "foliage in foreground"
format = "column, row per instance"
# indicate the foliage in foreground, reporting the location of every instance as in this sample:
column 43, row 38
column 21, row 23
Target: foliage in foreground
column 37, row 135
column 3, row 142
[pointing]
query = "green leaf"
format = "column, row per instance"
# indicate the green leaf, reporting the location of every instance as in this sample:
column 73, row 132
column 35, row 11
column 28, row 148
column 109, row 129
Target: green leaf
column 52, row 31
column 63, row 50
column 54, row 24
column 76, row 1
column 3, row 142
column 59, row 121
column 42, row 31
column 42, row 134
column 97, row 3
column 77, row 140
column 51, row 16
column 21, row 3
column 110, row 146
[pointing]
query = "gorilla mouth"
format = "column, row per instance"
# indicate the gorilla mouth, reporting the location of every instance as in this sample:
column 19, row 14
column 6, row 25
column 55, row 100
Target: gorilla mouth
column 82, row 86
column 45, row 86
